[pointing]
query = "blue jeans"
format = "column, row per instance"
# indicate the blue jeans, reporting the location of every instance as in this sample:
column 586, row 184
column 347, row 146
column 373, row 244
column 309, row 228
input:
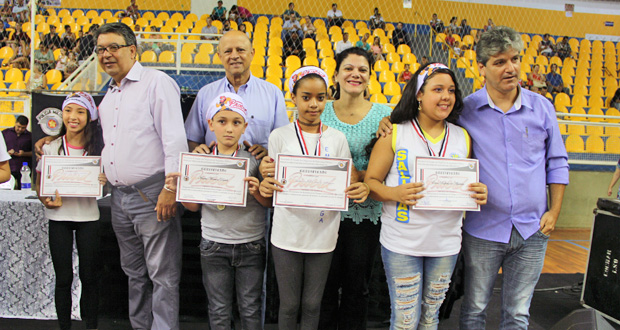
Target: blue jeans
column 417, row 286
column 229, row 269
column 521, row 262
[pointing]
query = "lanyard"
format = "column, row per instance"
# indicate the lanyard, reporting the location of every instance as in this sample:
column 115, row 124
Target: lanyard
column 215, row 152
column 302, row 141
column 65, row 146
column 444, row 142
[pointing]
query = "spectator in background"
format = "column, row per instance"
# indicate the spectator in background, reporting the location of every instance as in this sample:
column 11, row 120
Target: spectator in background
column 376, row 20
column 545, row 47
column 449, row 38
column 343, row 44
column 464, row 29
column 334, row 16
column 406, row 74
column 4, row 35
column 19, row 146
column 536, row 79
column 62, row 60
column 219, row 12
column 68, row 40
column 457, row 49
column 242, row 14
column 209, row 29
column 436, row 24
column 292, row 24
column 290, row 11
column 52, row 38
column 490, row 25
column 399, row 36
column 6, row 11
column 555, row 83
column 615, row 100
column 294, row 46
column 563, row 49
column 21, row 12
column 71, row 67
column 226, row 27
column 309, row 29
column 45, row 57
column 376, row 49
column 243, row 29
column 37, row 80
column 363, row 44
column 86, row 46
column 424, row 61
column 132, row 11
column 453, row 26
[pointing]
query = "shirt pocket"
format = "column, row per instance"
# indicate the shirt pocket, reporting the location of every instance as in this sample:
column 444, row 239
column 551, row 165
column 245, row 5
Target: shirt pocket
column 534, row 145
column 258, row 131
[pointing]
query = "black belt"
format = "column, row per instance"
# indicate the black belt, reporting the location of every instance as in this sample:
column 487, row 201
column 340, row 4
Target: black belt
column 158, row 177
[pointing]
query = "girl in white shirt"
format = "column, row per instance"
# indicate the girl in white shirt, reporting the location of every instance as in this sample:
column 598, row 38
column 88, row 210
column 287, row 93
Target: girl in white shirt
column 303, row 240
column 419, row 248
column 79, row 136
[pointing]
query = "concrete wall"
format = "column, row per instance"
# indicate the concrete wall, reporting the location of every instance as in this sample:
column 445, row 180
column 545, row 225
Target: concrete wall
column 580, row 198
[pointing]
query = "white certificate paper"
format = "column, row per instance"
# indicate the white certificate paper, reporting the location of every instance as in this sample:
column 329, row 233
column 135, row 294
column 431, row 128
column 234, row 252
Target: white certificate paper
column 446, row 183
column 212, row 179
column 72, row 176
column 312, row 182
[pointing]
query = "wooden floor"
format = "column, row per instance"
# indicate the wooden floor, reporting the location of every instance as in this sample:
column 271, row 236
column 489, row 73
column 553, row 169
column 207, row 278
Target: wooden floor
column 567, row 251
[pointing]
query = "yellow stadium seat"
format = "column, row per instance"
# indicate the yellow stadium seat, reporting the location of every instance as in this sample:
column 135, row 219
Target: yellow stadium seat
column 387, row 48
column 403, row 49
column 7, row 120
column 334, row 29
column 274, row 71
column 18, row 85
column 328, row 64
column 391, row 88
column 309, row 43
column 148, row 56
column 361, row 25
column 92, row 14
column 274, row 60
column 596, row 112
column 574, row 143
column 378, row 98
column 206, row 48
column 166, row 57
column 202, row 58
column 293, row 62
column 542, row 61
column 398, row 67
column 576, row 129
column 326, row 52
column 274, row 51
column 277, row 21
column 579, row 100
column 577, row 111
column 53, row 76
column 324, row 43
column 258, row 60
column 613, row 145
column 216, row 59
column 612, row 131
column 127, row 21
column 257, row 71
column 409, row 58
column 595, row 130
column 336, row 37
column 395, row 99
column 381, row 65
column 580, row 87
column 594, row 144
column 309, row 60
column 186, row 58
column 613, row 112
column 275, row 43
column 562, row 99
column 468, row 40
column 262, row 20
column 311, row 52
column 77, row 13
column 288, row 72
column 106, row 14
column 275, row 81
column 386, row 76
column 596, row 102
column 13, row 75
column 191, row 17
column 64, row 13
column 374, row 87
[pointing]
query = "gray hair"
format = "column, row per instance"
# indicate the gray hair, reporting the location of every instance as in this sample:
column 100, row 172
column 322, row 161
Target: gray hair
column 496, row 41
column 117, row 28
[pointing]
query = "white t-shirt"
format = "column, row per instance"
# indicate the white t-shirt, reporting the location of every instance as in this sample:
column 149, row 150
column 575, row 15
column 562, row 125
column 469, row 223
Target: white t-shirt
column 4, row 155
column 333, row 14
column 421, row 233
column 300, row 230
column 78, row 209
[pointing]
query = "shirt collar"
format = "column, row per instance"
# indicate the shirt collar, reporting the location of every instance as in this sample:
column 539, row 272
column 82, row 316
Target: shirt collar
column 133, row 75
column 518, row 102
column 230, row 88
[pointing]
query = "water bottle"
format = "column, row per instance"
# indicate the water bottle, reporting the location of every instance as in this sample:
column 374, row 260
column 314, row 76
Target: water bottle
column 26, row 181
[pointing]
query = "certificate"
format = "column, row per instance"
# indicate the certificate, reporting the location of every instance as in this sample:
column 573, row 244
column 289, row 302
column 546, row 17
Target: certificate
column 72, row 176
column 212, row 179
column 312, row 182
column 446, row 182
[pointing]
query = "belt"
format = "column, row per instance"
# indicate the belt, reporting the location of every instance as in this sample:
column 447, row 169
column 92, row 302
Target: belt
column 155, row 178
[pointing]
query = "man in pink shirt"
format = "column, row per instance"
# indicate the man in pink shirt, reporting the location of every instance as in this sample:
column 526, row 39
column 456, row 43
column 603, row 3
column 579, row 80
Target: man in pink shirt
column 143, row 132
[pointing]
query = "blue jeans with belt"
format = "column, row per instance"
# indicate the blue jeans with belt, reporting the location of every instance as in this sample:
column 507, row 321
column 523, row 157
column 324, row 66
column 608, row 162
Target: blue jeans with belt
column 230, row 270
column 521, row 261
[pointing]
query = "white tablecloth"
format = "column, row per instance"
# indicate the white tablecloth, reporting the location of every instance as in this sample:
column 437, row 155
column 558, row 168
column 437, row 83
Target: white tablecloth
column 26, row 271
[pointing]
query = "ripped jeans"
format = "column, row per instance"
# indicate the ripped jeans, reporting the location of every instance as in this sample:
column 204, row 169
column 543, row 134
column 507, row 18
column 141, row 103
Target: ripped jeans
column 418, row 286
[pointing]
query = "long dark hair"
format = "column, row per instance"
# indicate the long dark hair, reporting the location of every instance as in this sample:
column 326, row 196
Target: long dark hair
column 343, row 56
column 407, row 107
column 92, row 135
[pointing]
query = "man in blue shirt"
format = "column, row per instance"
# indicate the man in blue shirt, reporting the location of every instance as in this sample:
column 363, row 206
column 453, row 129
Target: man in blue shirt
column 265, row 102
column 555, row 81
column 515, row 136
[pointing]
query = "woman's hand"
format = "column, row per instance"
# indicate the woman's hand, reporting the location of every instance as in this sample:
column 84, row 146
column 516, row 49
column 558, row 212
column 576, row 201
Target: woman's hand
column 267, row 167
column 358, row 192
column 253, row 184
column 408, row 193
column 268, row 186
column 102, row 179
column 54, row 203
column 480, row 192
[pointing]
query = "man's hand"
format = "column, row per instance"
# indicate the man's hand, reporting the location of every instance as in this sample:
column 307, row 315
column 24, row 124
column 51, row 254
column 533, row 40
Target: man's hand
column 267, row 167
column 385, row 127
column 166, row 205
column 547, row 222
column 11, row 152
column 203, row 148
column 38, row 147
column 256, row 150
column 19, row 153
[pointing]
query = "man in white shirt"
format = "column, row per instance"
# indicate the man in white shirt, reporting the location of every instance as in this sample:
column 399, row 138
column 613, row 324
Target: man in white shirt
column 334, row 16
column 209, row 29
column 291, row 25
column 343, row 44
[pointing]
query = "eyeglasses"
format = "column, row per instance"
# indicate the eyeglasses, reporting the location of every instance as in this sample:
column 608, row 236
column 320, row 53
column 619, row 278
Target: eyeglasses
column 113, row 48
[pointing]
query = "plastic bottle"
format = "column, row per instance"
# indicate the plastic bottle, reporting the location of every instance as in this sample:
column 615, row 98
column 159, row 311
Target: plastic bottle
column 26, row 181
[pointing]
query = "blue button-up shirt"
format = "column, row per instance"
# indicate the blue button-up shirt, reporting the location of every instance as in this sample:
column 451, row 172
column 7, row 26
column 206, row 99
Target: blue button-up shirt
column 264, row 101
column 520, row 152
column 555, row 79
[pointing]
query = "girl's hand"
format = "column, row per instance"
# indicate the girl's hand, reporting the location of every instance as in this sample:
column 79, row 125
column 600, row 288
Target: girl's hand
column 102, row 179
column 253, row 184
column 171, row 180
column 481, row 192
column 358, row 192
column 267, row 167
column 408, row 193
column 268, row 185
column 53, row 203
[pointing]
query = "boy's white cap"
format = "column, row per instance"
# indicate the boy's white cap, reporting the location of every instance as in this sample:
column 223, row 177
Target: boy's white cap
column 303, row 71
column 227, row 101
column 85, row 100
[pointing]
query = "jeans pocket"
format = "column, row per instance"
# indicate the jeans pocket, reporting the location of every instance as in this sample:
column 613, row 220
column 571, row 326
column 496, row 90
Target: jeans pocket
column 207, row 247
column 541, row 234
column 256, row 246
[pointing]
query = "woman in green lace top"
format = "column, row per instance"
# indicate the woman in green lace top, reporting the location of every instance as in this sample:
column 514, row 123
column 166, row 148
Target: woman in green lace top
column 358, row 237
